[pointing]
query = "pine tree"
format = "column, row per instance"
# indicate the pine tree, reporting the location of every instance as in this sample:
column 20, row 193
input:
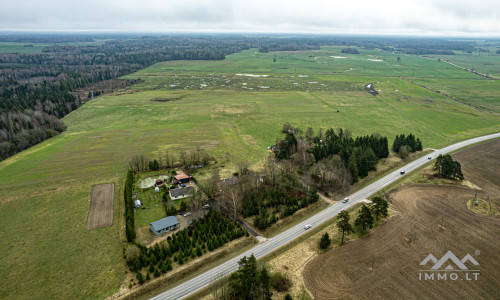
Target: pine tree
column 352, row 165
column 140, row 277
column 379, row 206
column 365, row 218
column 343, row 224
column 325, row 241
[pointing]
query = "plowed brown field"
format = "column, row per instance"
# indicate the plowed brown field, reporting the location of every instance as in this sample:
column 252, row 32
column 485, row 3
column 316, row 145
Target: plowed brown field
column 101, row 206
column 429, row 219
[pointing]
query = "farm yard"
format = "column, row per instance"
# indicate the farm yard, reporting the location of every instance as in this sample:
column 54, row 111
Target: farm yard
column 171, row 111
column 427, row 219
column 101, row 206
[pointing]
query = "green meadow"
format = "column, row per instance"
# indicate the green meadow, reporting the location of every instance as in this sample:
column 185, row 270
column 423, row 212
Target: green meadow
column 44, row 191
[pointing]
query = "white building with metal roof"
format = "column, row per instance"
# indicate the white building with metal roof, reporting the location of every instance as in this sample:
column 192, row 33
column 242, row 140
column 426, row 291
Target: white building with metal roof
column 164, row 225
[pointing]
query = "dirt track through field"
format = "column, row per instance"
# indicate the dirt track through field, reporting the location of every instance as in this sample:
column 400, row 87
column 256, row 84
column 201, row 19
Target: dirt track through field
column 437, row 216
column 101, row 206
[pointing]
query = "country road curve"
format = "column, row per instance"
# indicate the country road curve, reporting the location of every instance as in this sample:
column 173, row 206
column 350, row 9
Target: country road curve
column 195, row 284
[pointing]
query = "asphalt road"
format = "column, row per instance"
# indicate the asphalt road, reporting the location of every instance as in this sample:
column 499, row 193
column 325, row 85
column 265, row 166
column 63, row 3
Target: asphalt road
column 203, row 280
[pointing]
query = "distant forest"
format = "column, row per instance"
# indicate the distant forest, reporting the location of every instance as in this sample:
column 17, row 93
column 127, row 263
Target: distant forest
column 36, row 89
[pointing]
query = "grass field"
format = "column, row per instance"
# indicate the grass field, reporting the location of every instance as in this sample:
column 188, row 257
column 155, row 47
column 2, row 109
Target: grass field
column 44, row 191
column 481, row 93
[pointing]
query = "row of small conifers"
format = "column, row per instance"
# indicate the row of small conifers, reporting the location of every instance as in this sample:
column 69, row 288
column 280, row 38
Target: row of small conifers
column 129, row 207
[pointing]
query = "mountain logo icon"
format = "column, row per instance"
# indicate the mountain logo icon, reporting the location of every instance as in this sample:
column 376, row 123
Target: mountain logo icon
column 447, row 260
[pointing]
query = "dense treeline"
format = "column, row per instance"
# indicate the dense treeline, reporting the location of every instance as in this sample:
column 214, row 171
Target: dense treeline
column 129, row 207
column 360, row 154
column 165, row 159
column 205, row 235
column 349, row 50
column 20, row 130
column 403, row 145
column 333, row 160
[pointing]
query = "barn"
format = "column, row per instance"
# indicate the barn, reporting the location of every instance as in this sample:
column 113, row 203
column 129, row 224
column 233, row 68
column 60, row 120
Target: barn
column 164, row 225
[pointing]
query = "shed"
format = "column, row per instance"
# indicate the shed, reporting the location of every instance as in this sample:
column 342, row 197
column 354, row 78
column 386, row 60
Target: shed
column 137, row 203
column 180, row 193
column 182, row 178
column 230, row 181
column 164, row 225
column 157, row 189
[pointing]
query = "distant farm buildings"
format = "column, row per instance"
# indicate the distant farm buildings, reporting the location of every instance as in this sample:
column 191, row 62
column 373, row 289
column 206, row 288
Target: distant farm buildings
column 180, row 193
column 164, row 225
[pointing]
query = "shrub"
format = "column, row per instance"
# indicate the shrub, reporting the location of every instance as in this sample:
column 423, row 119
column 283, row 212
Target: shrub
column 280, row 282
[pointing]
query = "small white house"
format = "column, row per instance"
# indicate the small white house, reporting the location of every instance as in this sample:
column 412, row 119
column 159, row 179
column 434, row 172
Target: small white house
column 137, row 203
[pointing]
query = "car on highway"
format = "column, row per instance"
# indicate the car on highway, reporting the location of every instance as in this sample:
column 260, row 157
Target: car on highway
column 402, row 172
column 345, row 200
column 429, row 157
column 307, row 226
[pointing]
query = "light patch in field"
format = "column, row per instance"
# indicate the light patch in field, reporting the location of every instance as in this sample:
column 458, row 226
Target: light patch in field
column 370, row 59
column 252, row 75
column 101, row 206
column 249, row 139
column 231, row 110
column 338, row 56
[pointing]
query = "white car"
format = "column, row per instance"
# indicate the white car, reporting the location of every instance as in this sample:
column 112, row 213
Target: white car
column 187, row 214
column 345, row 200
column 206, row 206
column 307, row 226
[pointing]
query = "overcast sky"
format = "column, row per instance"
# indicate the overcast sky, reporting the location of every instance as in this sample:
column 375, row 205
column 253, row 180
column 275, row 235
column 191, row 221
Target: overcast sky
column 402, row 17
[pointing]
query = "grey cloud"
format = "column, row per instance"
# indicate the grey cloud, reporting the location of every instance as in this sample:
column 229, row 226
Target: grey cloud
column 437, row 17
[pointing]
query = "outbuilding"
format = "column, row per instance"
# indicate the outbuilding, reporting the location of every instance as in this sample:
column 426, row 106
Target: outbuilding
column 137, row 203
column 181, row 178
column 164, row 225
